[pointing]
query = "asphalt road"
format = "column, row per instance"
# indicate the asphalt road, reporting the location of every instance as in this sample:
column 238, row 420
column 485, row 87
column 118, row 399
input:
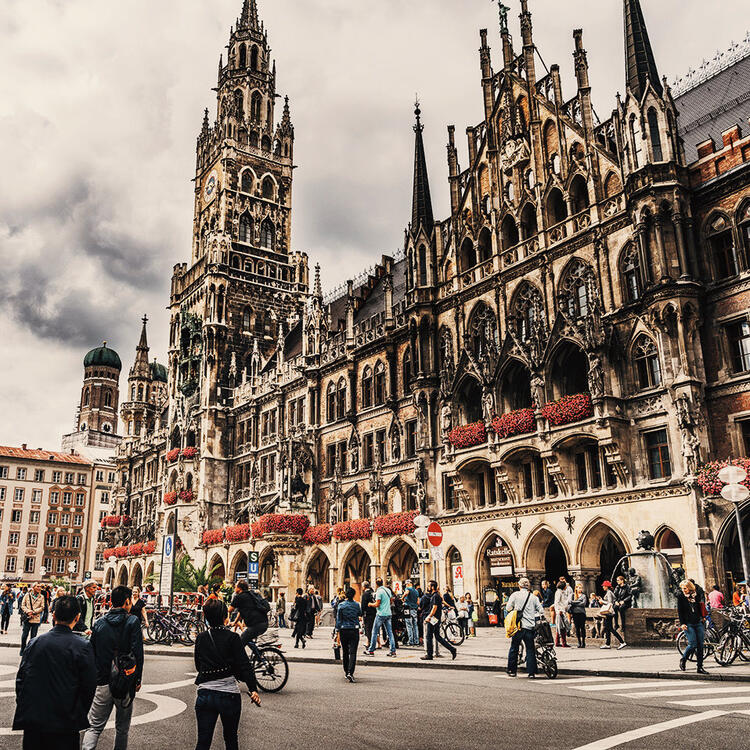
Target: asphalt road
column 400, row 707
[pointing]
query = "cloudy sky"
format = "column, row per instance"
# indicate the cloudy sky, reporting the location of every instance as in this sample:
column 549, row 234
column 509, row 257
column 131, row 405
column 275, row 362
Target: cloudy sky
column 101, row 101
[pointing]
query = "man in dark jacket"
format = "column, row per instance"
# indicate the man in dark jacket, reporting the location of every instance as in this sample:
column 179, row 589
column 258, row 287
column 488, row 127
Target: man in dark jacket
column 55, row 684
column 623, row 600
column 121, row 631
column 368, row 612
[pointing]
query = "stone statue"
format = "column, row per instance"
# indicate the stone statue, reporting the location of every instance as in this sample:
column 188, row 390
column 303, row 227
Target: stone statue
column 446, row 420
column 395, row 445
column 635, row 584
column 688, row 453
column 596, row 377
column 422, row 423
column 354, row 457
column 537, row 390
column 645, row 540
column 488, row 405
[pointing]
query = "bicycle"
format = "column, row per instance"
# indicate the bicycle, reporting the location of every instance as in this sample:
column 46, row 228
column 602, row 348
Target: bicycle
column 450, row 628
column 734, row 640
column 270, row 667
column 711, row 640
column 544, row 647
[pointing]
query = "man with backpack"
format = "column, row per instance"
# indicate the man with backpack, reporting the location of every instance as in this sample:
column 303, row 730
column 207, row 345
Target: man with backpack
column 527, row 608
column 253, row 610
column 118, row 649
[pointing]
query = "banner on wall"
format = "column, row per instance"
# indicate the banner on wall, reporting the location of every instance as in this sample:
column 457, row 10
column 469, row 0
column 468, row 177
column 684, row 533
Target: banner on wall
column 458, row 579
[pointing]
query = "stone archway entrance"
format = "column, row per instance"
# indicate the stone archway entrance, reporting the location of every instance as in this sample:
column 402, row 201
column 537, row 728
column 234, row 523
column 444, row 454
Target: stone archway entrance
column 238, row 567
column 546, row 558
column 266, row 568
column 216, row 568
column 495, row 570
column 730, row 555
column 122, row 578
column 136, row 577
column 318, row 570
column 401, row 565
column 601, row 550
column 356, row 569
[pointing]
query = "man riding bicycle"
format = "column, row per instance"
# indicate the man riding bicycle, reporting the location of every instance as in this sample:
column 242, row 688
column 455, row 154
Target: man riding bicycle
column 253, row 610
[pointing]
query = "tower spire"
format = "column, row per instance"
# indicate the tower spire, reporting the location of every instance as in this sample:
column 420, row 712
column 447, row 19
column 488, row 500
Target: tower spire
column 249, row 15
column 421, row 208
column 640, row 66
column 141, row 352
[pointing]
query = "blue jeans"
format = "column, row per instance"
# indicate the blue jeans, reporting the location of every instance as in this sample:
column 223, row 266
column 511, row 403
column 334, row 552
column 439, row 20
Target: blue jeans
column 282, row 620
column 382, row 621
column 209, row 706
column 28, row 633
column 411, row 629
column 695, row 636
column 527, row 636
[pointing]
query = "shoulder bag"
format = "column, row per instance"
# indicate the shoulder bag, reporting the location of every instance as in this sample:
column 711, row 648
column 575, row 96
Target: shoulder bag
column 513, row 619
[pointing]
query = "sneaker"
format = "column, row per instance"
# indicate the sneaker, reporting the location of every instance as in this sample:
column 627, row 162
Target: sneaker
column 622, row 645
column 683, row 662
column 425, row 658
column 512, row 674
column 531, row 677
column 605, row 646
column 350, row 678
column 393, row 654
column 369, row 653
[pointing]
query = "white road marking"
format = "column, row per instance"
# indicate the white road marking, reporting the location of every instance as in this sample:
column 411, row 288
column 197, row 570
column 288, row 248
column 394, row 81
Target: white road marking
column 620, row 685
column 166, row 686
column 712, row 701
column 570, row 681
column 636, row 734
column 687, row 691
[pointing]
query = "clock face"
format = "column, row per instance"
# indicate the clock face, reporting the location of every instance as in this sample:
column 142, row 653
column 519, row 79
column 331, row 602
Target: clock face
column 210, row 186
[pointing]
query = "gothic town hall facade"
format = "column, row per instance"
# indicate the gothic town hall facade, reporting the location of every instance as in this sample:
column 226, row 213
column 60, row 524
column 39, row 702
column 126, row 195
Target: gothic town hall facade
column 545, row 371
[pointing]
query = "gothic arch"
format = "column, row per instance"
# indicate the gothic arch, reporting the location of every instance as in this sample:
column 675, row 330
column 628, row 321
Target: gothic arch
column 467, row 255
column 579, row 193
column 238, row 565
column 317, row 572
column 509, row 232
column 612, row 185
column 484, row 245
column 122, row 575
column 217, row 563
column 355, row 566
column 529, row 225
column 269, row 186
column 136, row 576
column 591, row 539
column 536, row 554
column 399, row 558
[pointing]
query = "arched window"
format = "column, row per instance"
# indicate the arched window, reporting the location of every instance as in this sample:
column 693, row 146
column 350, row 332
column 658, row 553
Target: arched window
column 743, row 220
column 483, row 332
column 655, row 135
column 635, row 138
column 406, row 369
column 630, row 273
column 550, row 139
column 246, row 320
column 422, row 265
column 132, row 392
column 485, row 245
column 265, row 144
column 367, row 387
column 529, row 226
column 646, row 358
column 341, row 398
column 579, row 194
column 267, row 235
column 239, row 104
column 468, row 255
column 331, row 403
column 108, row 398
column 246, row 229
column 243, row 55
column 612, row 185
column 86, row 396
column 255, row 103
column 253, row 139
column 254, row 58
column 379, row 384
column 515, row 387
column 527, row 309
column 246, row 183
column 268, row 189
column 557, row 211
column 723, row 249
column 140, row 392
column 577, row 288
column 509, row 232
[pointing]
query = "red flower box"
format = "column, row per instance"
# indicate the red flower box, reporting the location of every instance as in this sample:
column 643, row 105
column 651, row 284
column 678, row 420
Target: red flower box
column 238, row 533
column 212, row 536
column 518, row 422
column 189, row 452
column 395, row 524
column 170, row 498
column 149, row 547
column 280, row 523
column 467, row 435
column 186, row 496
column 120, row 552
column 173, row 455
column 708, row 475
column 135, row 549
column 320, row 534
column 345, row 531
column 108, row 553
column 112, row 521
column 568, row 409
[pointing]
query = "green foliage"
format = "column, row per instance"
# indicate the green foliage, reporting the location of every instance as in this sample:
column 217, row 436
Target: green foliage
column 187, row 577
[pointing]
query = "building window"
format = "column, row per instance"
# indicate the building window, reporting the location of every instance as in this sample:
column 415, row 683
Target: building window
column 724, row 252
column 655, row 135
column 630, row 269
column 54, row 498
column 406, row 371
column 341, row 398
column 32, row 538
column 331, row 403
column 34, row 516
column 57, row 477
column 52, row 518
column 60, row 565
column 10, row 564
column 3, row 472
column 246, row 229
column 20, row 473
column 65, row 519
column 330, row 459
column 646, row 357
column 2, row 494
column 78, row 519
column 99, row 475
column 411, row 497
column 657, row 448
column 47, row 562
column 411, row 438
column 111, row 477
column 14, row 538
column 379, row 383
column 75, row 542
column 745, row 436
column 16, row 516
column 367, row 450
column 67, row 497
column 39, row 475
column 380, row 444
column 449, row 493
column 69, row 476
column 62, row 540
column 28, row 565
column 81, row 479
column 36, row 496
column 99, row 561
column 738, row 335
column 366, row 388
column 18, row 495
column 80, row 500
column 104, row 499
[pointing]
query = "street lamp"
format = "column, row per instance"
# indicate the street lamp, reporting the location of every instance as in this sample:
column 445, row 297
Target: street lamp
column 736, row 493
column 72, row 566
column 43, row 571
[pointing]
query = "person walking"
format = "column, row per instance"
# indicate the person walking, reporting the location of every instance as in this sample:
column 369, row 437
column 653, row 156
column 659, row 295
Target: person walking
column 623, row 601
column 411, row 603
column 314, row 609
column 578, row 613
column 348, row 616
column 299, row 617
column 7, row 600
column 463, row 616
column 690, row 610
column 472, row 621
column 87, row 601
column 118, row 632
column 528, row 607
column 32, row 606
column 424, row 610
column 432, row 623
column 608, row 613
column 139, row 608
column 281, row 610
column 59, row 594
column 548, row 594
column 560, row 608
column 220, row 660
column 368, row 612
column 55, row 684
column 382, row 606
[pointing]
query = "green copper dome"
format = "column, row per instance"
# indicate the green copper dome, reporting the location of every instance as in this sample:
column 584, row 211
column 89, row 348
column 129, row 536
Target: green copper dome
column 158, row 372
column 102, row 356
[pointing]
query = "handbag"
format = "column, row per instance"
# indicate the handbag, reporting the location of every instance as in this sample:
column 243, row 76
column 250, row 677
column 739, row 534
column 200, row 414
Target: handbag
column 703, row 610
column 513, row 619
column 606, row 609
column 492, row 617
column 475, row 617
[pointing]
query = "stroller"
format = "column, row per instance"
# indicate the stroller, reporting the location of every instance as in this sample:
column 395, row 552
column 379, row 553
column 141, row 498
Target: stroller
column 544, row 647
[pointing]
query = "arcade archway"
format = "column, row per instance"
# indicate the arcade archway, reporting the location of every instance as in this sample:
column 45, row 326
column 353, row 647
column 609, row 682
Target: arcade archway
column 729, row 553
column 601, row 550
column 356, row 569
column 401, row 564
column 318, row 570
column 136, row 576
column 122, row 578
column 266, row 568
column 546, row 557
column 238, row 567
column 216, row 568
column 496, row 568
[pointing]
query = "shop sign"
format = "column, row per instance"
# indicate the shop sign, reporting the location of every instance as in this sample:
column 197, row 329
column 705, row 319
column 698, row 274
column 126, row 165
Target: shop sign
column 501, row 561
column 458, row 579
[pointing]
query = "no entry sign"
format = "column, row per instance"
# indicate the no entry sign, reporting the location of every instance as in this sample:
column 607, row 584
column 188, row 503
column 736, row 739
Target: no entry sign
column 435, row 534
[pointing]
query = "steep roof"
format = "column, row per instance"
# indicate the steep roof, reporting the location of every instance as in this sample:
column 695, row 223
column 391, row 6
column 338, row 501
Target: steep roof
column 640, row 66
column 41, row 455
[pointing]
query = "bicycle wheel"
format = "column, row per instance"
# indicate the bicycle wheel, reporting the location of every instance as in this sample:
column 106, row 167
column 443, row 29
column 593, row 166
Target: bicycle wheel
column 682, row 644
column 726, row 651
column 744, row 648
column 549, row 665
column 452, row 633
column 271, row 671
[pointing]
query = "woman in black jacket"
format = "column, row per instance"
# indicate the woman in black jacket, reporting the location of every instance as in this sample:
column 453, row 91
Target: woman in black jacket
column 220, row 660
column 690, row 610
column 300, row 613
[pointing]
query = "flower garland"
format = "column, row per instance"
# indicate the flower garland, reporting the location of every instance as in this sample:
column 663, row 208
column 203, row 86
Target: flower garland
column 238, row 533
column 568, row 409
column 280, row 523
column 173, row 455
column 320, row 534
column 467, row 435
column 120, row 552
column 345, row 531
column 708, row 474
column 519, row 422
column 212, row 536
column 395, row 524
column 186, row 496
column 108, row 553
column 189, row 452
column 149, row 547
column 112, row 521
column 135, row 549
column 170, row 498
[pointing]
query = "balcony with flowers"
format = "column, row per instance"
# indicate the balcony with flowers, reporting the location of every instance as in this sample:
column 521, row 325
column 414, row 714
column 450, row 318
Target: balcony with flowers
column 707, row 475
column 347, row 531
column 113, row 522
column 173, row 455
column 170, row 498
column 568, row 409
column 468, row 435
column 320, row 534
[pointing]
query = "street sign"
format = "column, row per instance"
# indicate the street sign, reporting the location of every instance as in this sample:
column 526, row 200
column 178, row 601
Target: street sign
column 240, row 576
column 420, row 532
column 438, row 555
column 253, row 557
column 253, row 569
column 735, row 493
column 421, row 521
column 87, row 575
column 435, row 534
column 167, row 568
column 458, row 579
column 424, row 556
column 501, row 561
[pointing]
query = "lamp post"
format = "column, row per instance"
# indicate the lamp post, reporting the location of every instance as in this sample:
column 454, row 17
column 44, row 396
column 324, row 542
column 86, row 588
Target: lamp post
column 43, row 571
column 72, row 566
column 736, row 493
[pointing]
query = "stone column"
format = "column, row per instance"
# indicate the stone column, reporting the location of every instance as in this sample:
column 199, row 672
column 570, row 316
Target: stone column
column 679, row 230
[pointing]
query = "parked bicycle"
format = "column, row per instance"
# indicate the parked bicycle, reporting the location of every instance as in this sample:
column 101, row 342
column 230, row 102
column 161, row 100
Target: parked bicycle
column 179, row 626
column 735, row 640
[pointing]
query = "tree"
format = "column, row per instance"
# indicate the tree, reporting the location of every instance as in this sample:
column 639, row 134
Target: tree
column 187, row 577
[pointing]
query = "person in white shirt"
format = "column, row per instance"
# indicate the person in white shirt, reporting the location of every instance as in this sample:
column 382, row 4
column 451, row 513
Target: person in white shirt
column 529, row 608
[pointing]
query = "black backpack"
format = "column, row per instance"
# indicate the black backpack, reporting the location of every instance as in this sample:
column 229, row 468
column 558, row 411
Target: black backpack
column 260, row 602
column 122, row 675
